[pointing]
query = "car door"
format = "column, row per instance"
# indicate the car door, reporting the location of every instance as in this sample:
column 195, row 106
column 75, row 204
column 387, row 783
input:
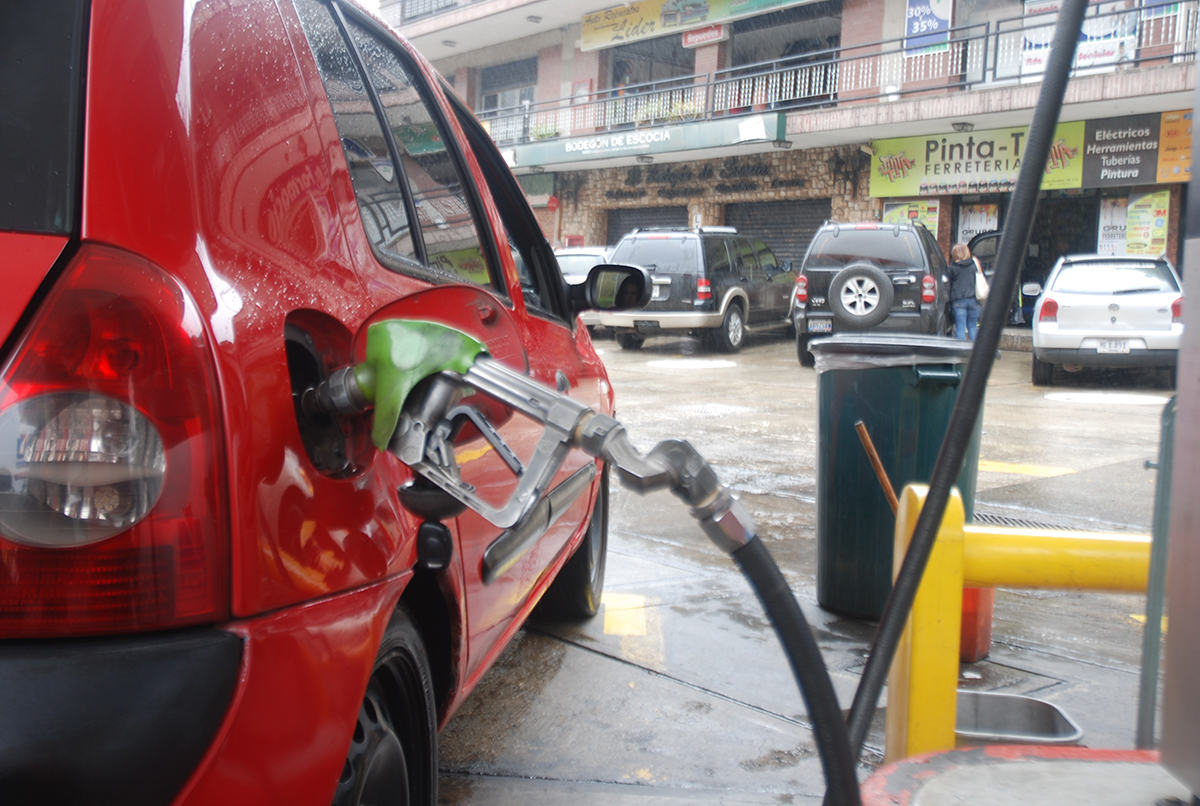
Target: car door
column 752, row 279
column 435, row 247
column 779, row 282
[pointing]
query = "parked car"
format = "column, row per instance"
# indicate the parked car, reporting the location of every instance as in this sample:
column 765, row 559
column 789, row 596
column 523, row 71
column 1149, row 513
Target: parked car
column 575, row 262
column 210, row 592
column 1108, row 311
column 866, row 276
column 984, row 246
column 710, row 281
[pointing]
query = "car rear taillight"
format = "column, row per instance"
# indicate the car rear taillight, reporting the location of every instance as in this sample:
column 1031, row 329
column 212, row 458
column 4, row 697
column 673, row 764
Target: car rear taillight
column 112, row 496
column 801, row 292
column 1177, row 311
column 928, row 288
column 1049, row 312
column 703, row 289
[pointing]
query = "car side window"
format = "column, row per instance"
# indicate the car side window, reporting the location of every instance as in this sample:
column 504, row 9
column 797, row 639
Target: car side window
column 744, row 262
column 716, row 257
column 402, row 173
column 766, row 258
column 448, row 230
column 935, row 253
column 381, row 202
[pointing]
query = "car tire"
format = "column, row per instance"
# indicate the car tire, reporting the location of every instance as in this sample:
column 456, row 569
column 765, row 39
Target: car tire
column 393, row 752
column 1043, row 372
column 732, row 333
column 575, row 593
column 861, row 295
column 807, row 359
column 630, row 341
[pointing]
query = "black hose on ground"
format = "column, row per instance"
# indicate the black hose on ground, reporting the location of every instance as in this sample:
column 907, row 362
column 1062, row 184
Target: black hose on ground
column 1009, row 260
column 829, row 728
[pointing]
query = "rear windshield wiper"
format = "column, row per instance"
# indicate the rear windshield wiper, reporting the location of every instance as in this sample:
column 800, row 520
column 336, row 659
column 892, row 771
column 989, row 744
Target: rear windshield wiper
column 1137, row 290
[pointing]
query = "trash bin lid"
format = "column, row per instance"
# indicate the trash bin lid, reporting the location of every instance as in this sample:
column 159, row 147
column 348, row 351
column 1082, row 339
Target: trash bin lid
column 868, row 350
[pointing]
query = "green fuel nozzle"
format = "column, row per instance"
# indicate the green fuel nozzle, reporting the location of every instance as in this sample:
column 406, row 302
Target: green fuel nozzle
column 400, row 354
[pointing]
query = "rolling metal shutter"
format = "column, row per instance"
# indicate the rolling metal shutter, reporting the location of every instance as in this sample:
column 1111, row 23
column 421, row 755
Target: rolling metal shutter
column 786, row 226
column 622, row 221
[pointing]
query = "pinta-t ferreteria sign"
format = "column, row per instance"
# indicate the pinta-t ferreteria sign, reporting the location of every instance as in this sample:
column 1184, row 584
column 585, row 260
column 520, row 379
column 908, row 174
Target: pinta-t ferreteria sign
column 970, row 162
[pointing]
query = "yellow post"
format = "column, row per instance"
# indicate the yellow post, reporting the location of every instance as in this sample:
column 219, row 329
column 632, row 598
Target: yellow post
column 924, row 675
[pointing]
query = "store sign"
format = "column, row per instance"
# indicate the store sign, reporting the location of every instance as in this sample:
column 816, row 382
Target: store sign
column 1107, row 38
column 1133, row 150
column 1175, row 147
column 705, row 36
column 974, row 219
column 970, row 162
column 655, row 140
column 1121, row 151
column 620, row 25
column 926, row 26
column 923, row 212
column 1110, row 240
column 1146, row 223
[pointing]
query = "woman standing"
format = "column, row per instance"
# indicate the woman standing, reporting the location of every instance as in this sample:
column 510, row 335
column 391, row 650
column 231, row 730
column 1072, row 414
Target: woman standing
column 962, row 292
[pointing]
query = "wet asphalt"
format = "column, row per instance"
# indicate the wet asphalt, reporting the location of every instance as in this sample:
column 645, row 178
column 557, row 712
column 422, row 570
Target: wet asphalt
column 677, row 692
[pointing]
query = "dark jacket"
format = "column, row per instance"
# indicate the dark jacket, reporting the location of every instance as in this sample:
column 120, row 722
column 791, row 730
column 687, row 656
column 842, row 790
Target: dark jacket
column 962, row 279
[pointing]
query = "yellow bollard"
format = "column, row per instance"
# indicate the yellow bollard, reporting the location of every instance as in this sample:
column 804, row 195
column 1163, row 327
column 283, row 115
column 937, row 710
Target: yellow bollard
column 924, row 674
column 922, row 684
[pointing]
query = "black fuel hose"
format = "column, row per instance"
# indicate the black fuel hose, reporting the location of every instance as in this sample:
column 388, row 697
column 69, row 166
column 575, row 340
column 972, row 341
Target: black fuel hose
column 828, row 725
column 1009, row 259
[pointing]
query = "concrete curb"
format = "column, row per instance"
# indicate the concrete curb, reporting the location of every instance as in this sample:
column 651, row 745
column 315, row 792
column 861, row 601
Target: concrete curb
column 1018, row 339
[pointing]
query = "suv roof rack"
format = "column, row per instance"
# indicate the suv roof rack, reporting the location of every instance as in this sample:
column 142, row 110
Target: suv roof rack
column 724, row 230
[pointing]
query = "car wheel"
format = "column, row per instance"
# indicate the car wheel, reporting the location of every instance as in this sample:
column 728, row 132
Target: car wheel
column 630, row 341
column 806, row 358
column 393, row 753
column 861, row 295
column 732, row 332
column 575, row 592
column 1043, row 373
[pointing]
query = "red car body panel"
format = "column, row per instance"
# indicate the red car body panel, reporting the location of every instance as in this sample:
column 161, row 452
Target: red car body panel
column 211, row 150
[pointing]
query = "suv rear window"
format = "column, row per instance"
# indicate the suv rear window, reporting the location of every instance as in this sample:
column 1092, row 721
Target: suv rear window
column 666, row 255
column 41, row 71
column 884, row 247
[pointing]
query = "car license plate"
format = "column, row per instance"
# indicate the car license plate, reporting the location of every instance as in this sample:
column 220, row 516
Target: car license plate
column 645, row 324
column 820, row 326
column 1113, row 346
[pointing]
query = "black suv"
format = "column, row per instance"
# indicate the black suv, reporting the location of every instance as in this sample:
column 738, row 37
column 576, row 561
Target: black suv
column 711, row 280
column 862, row 276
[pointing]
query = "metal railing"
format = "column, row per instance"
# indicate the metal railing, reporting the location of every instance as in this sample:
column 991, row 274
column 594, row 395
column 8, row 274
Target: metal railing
column 968, row 57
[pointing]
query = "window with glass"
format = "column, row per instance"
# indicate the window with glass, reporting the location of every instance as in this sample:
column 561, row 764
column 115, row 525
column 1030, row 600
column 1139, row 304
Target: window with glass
column 435, row 183
column 404, row 172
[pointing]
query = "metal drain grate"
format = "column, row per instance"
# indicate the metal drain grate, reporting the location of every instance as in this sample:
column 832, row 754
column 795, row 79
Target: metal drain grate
column 1019, row 523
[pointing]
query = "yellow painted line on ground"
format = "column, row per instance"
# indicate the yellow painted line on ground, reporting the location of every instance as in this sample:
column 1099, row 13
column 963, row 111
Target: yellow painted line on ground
column 1140, row 618
column 624, row 614
column 635, row 620
column 1024, row 470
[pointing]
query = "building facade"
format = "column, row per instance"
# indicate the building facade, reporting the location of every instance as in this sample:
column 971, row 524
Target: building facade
column 775, row 115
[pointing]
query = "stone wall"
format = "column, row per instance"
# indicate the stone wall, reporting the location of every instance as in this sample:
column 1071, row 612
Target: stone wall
column 706, row 186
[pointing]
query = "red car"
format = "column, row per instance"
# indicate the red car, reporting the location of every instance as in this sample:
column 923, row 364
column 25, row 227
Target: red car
column 212, row 593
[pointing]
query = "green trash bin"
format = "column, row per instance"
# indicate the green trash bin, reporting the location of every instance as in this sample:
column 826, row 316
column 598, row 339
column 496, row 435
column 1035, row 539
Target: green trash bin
column 903, row 388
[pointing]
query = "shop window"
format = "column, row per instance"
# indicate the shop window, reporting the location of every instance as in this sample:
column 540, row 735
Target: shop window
column 505, row 92
column 651, row 60
column 797, row 35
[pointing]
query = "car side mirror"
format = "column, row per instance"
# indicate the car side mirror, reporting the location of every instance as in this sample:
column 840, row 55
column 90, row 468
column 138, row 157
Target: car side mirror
column 612, row 287
column 785, row 265
column 1031, row 289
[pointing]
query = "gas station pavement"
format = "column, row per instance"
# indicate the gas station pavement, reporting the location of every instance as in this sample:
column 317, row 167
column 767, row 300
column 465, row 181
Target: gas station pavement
column 677, row 692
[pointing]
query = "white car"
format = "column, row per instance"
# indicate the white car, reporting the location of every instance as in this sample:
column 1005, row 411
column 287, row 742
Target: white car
column 1108, row 311
column 575, row 263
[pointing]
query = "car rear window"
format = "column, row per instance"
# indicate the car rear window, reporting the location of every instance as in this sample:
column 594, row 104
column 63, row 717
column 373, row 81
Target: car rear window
column 884, row 247
column 572, row 265
column 667, row 255
column 1115, row 278
column 41, row 74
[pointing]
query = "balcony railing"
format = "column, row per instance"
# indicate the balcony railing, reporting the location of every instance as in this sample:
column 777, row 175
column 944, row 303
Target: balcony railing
column 968, row 57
